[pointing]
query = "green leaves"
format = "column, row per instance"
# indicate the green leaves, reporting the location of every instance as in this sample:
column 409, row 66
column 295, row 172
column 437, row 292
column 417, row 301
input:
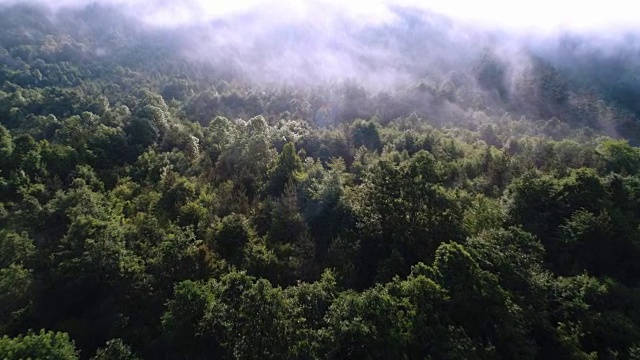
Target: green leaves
column 15, row 248
column 373, row 324
column 402, row 208
column 248, row 317
column 365, row 133
column 231, row 236
column 185, row 312
column 157, row 207
column 42, row 345
column 16, row 297
column 619, row 156
column 287, row 170
column 114, row 349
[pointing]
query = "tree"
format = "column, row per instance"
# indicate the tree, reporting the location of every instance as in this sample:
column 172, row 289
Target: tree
column 183, row 321
column 6, row 148
column 589, row 242
column 287, row 170
column 365, row 133
column 142, row 133
column 404, row 212
column 370, row 325
column 17, row 292
column 619, row 156
column 325, row 209
column 42, row 345
column 289, row 235
column 246, row 160
column 231, row 236
column 255, row 319
column 501, row 330
column 204, row 106
column 177, row 192
column 114, row 349
column 490, row 73
column 220, row 133
column 15, row 248
column 533, row 202
column 483, row 214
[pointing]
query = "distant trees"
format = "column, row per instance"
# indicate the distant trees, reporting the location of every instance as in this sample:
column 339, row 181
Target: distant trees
column 542, row 89
column 491, row 74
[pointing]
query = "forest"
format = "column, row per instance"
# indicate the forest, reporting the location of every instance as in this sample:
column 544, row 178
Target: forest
column 155, row 204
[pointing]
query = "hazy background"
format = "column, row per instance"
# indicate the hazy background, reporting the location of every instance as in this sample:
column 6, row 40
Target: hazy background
column 382, row 44
column 539, row 59
column 542, row 15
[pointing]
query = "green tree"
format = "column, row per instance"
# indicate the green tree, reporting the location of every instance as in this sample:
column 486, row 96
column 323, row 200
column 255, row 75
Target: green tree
column 403, row 214
column 287, row 170
column 17, row 292
column 289, row 236
column 231, row 236
column 114, row 349
column 481, row 306
column 183, row 320
column 483, row 214
column 365, row 133
column 6, row 148
column 490, row 72
column 15, row 248
column 619, row 156
column 533, row 202
column 256, row 320
column 42, row 345
column 370, row 325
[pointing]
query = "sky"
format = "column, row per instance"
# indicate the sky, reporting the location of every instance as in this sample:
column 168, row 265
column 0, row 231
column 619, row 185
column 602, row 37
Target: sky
column 538, row 15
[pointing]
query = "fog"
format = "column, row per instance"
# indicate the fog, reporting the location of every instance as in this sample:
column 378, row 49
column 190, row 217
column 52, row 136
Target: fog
column 541, row 15
column 383, row 44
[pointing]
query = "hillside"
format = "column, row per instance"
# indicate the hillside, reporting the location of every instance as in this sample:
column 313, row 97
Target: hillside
column 250, row 188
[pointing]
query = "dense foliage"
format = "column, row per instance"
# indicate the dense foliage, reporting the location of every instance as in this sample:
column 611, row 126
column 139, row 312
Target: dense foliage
column 153, row 207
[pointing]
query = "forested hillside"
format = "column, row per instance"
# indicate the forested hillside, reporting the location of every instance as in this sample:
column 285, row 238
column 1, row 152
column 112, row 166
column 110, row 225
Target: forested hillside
column 166, row 193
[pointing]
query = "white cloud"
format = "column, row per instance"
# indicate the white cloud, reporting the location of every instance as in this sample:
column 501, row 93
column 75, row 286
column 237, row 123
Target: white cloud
column 539, row 15
column 543, row 14
column 535, row 15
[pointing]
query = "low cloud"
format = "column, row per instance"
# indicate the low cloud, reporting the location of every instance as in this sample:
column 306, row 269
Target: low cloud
column 533, row 16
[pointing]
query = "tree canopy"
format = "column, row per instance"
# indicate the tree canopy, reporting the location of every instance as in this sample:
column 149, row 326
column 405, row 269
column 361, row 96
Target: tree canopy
column 157, row 207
